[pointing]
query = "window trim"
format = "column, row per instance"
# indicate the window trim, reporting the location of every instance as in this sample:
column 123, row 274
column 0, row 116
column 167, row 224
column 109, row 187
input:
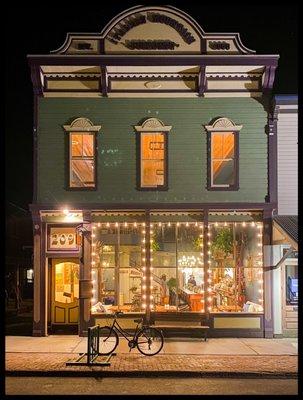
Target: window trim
column 151, row 125
column 82, row 126
column 223, row 125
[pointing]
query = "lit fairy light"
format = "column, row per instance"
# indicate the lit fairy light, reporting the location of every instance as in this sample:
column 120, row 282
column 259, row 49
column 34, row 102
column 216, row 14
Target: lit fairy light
column 260, row 262
column 209, row 275
column 93, row 299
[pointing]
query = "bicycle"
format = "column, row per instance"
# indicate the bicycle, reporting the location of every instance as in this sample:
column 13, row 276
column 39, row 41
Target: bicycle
column 147, row 339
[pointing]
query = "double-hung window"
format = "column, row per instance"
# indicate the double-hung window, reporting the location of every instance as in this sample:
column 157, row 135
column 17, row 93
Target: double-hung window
column 223, row 155
column 82, row 154
column 222, row 159
column 153, row 155
column 82, row 160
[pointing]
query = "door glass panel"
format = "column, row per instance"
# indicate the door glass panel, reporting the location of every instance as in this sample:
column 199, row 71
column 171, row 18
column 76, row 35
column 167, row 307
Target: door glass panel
column 291, row 280
column 66, row 282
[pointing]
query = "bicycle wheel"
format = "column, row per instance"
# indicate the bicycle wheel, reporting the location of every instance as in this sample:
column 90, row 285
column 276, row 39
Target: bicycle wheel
column 108, row 340
column 149, row 341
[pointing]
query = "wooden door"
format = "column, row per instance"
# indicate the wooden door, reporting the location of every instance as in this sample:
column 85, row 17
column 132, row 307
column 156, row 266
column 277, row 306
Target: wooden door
column 65, row 291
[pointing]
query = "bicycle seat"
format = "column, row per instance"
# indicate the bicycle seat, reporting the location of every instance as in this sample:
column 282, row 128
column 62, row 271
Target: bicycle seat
column 138, row 321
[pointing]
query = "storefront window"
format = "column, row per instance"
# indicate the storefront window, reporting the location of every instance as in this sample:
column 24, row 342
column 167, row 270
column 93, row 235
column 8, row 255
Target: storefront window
column 178, row 278
column 178, row 267
column 235, row 260
column 116, row 267
column 291, row 280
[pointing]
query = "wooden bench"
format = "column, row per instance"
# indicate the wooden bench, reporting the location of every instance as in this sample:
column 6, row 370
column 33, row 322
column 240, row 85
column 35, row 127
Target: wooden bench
column 184, row 327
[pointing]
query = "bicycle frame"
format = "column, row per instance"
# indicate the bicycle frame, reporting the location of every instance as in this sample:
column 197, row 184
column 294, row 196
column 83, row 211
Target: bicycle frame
column 115, row 326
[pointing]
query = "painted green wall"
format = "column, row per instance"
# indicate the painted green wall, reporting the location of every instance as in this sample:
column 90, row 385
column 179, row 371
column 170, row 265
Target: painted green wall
column 117, row 151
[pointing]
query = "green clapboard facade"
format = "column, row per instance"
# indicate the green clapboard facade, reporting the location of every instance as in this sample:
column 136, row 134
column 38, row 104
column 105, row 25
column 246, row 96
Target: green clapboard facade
column 187, row 148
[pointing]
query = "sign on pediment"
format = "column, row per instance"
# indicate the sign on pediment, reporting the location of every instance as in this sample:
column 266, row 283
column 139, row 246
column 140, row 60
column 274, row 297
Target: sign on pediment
column 152, row 31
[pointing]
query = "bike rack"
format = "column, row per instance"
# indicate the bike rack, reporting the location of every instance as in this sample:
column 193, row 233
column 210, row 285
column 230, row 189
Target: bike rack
column 92, row 351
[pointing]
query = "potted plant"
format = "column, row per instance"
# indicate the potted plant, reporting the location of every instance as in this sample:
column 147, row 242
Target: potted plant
column 222, row 244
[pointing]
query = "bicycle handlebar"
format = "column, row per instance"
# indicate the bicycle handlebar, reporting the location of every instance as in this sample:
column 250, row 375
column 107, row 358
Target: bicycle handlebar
column 117, row 313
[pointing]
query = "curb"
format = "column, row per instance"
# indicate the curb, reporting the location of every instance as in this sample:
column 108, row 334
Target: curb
column 134, row 374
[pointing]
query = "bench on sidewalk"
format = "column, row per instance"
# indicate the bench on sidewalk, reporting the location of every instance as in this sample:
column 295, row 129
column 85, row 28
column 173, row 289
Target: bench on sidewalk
column 182, row 326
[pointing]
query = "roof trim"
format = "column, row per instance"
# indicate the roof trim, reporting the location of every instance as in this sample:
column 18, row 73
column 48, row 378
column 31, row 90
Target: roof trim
column 289, row 225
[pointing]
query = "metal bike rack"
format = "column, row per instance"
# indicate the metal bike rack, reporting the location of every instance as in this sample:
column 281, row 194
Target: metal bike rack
column 92, row 353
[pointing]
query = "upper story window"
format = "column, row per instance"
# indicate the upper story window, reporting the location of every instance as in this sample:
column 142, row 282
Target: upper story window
column 82, row 154
column 153, row 155
column 223, row 155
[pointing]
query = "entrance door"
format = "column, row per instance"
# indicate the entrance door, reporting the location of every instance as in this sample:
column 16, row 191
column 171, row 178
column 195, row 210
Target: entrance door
column 65, row 291
column 290, row 298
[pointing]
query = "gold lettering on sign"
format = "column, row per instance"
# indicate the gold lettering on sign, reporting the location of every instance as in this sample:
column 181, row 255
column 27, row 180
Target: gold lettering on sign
column 62, row 238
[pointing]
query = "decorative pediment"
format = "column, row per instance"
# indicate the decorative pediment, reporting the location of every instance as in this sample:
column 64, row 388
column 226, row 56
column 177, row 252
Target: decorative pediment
column 82, row 125
column 222, row 125
column 152, row 125
column 153, row 30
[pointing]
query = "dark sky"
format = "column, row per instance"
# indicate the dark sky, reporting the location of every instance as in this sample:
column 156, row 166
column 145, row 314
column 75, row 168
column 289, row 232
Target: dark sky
column 268, row 29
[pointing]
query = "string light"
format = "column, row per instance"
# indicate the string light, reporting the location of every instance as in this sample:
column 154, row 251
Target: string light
column 209, row 275
column 260, row 263
column 144, row 268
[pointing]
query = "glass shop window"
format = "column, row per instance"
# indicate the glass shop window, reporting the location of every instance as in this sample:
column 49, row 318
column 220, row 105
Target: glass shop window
column 291, row 284
column 178, row 269
column 152, row 156
column 82, row 160
column 116, row 267
column 222, row 159
column 236, row 274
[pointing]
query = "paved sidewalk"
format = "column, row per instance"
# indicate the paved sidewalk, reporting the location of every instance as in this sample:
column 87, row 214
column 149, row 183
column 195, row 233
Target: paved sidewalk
column 233, row 346
column 216, row 357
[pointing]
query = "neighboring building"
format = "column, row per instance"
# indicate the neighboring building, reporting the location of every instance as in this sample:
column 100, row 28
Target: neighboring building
column 155, row 177
column 286, row 110
column 18, row 253
column 285, row 225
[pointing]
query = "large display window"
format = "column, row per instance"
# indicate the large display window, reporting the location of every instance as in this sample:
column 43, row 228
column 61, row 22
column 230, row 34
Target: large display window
column 117, row 252
column 178, row 267
column 186, row 266
column 235, row 265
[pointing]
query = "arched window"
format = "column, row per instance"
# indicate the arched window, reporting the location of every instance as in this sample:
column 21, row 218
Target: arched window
column 153, row 155
column 82, row 154
column 223, row 155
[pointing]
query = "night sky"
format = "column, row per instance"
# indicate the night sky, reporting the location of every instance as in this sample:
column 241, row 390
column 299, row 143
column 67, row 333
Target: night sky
column 267, row 29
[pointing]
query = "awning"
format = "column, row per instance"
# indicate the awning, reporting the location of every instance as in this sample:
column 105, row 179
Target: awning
column 289, row 225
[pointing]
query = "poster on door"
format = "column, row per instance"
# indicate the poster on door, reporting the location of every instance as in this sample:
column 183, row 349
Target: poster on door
column 62, row 239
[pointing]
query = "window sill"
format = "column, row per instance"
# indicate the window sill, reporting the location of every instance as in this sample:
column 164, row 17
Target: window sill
column 223, row 189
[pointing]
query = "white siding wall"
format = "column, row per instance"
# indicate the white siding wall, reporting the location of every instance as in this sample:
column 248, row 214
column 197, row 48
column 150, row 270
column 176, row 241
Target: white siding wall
column 287, row 162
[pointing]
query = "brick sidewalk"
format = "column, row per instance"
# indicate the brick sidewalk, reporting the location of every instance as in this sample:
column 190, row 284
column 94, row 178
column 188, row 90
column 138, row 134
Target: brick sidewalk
column 137, row 364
